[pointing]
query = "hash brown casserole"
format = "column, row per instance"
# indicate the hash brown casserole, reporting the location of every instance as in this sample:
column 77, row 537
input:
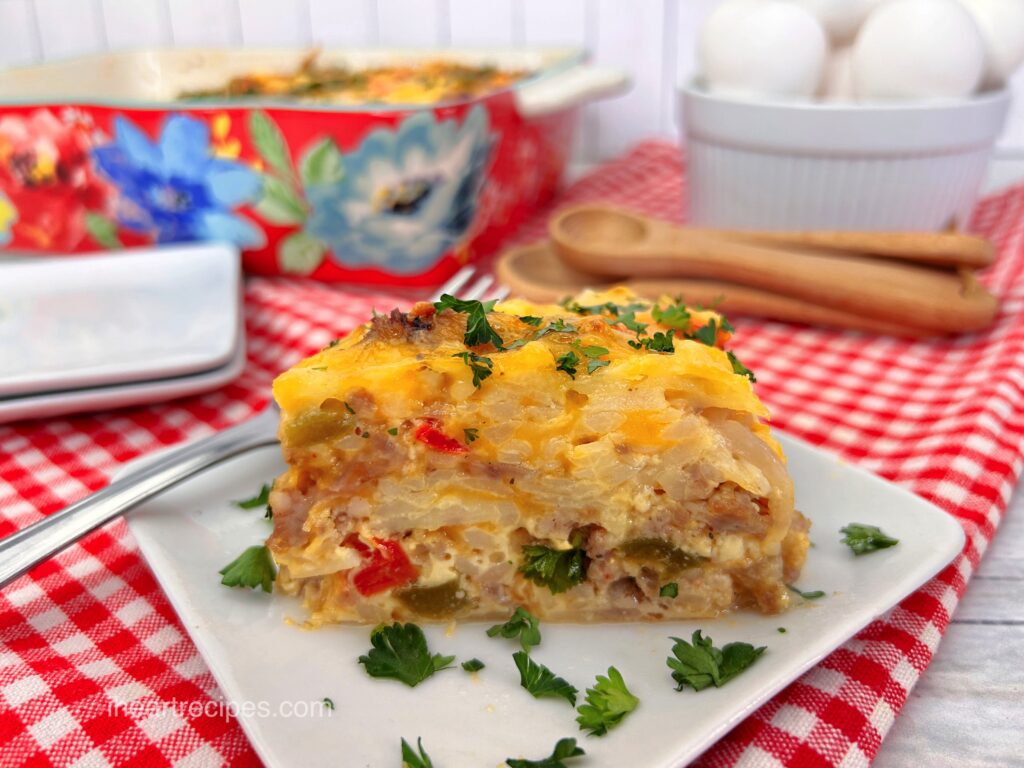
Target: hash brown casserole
column 586, row 461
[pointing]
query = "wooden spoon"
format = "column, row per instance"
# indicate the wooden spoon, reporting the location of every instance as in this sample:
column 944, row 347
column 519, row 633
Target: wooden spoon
column 535, row 272
column 611, row 243
column 939, row 249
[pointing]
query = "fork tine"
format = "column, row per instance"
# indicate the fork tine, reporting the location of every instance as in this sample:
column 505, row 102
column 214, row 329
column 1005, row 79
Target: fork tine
column 455, row 282
column 501, row 293
column 478, row 289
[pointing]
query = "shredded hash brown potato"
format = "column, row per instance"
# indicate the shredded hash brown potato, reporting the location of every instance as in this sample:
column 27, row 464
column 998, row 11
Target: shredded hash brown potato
column 413, row 494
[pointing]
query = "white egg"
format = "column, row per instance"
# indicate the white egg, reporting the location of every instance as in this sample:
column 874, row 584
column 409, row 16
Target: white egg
column 918, row 49
column 838, row 82
column 1002, row 26
column 762, row 48
column 840, row 18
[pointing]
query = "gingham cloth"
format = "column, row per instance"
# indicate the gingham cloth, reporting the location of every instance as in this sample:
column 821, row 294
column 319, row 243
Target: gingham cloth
column 91, row 627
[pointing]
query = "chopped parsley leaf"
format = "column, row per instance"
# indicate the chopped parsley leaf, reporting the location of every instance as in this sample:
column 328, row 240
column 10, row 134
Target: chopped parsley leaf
column 608, row 702
column 333, row 343
column 593, row 365
column 530, row 320
column 400, row 652
column 415, row 758
column 629, row 320
column 700, row 665
column 661, row 342
column 781, row 630
column 540, row 681
column 707, row 334
column 473, row 665
column 740, row 368
column 862, row 539
column 329, row 703
column 349, row 408
column 806, row 595
column 556, row 569
column 253, row 568
column 478, row 330
column 262, row 499
column 523, row 625
column 567, row 363
column 615, row 310
column 675, row 316
column 591, row 351
column 564, row 750
column 393, row 431
column 669, row 590
column 555, row 326
column 482, row 367
column 471, row 434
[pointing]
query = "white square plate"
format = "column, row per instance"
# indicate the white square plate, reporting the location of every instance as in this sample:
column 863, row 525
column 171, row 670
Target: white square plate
column 270, row 669
column 138, row 315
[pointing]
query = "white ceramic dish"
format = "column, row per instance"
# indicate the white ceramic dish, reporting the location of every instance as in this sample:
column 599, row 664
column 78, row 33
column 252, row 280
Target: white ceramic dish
column 99, row 320
column 268, row 668
column 61, row 403
column 875, row 166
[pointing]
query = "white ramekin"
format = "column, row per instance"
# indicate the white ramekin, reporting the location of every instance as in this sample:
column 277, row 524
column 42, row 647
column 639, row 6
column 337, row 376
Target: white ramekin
column 771, row 165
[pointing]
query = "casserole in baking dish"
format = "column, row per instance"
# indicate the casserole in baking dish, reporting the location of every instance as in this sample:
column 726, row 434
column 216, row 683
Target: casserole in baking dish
column 104, row 151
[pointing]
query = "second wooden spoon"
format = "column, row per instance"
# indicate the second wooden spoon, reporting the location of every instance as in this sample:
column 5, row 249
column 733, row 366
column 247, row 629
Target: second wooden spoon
column 614, row 243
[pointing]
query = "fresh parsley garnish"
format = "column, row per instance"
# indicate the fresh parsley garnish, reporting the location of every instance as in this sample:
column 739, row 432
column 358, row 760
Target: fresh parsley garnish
column 393, row 431
column 471, row 434
column 253, row 568
column 523, row 625
column 591, row 351
column 567, row 363
column 781, row 630
column 593, row 365
column 540, row 681
column 400, row 652
column 473, row 665
column 862, row 539
column 608, row 702
column 556, row 569
column 564, row 750
column 699, row 664
column 707, row 333
column 556, row 326
column 675, row 316
column 661, row 342
column 669, row 590
column 329, row 703
column 533, row 321
column 629, row 320
column 814, row 595
column 349, row 408
column 478, row 330
column 482, row 367
column 740, row 368
column 415, row 758
column 261, row 499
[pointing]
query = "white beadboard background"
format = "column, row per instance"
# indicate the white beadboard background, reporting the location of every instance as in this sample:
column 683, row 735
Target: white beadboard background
column 652, row 39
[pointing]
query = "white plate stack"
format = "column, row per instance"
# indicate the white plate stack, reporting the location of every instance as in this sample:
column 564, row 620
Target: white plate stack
column 86, row 333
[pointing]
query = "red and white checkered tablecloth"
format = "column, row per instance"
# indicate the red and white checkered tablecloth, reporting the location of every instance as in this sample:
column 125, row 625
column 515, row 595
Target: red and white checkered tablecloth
column 943, row 418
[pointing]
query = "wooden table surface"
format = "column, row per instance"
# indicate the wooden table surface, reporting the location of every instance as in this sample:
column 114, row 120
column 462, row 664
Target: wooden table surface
column 968, row 708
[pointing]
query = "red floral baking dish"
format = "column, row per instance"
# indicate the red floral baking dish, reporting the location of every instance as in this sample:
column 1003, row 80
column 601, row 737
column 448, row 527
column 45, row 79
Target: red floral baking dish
column 103, row 152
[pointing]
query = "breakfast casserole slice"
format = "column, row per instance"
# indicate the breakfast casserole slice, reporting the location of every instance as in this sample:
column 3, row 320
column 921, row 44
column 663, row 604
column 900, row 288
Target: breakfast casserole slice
column 600, row 460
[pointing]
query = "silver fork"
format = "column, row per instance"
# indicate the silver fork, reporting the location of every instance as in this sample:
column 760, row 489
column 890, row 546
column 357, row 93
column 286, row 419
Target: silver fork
column 30, row 546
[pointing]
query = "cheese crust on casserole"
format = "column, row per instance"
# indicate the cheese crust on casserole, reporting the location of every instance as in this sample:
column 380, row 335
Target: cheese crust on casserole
column 582, row 491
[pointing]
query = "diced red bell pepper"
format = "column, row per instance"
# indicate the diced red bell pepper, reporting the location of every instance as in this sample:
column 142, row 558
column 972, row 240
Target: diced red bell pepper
column 387, row 565
column 432, row 437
